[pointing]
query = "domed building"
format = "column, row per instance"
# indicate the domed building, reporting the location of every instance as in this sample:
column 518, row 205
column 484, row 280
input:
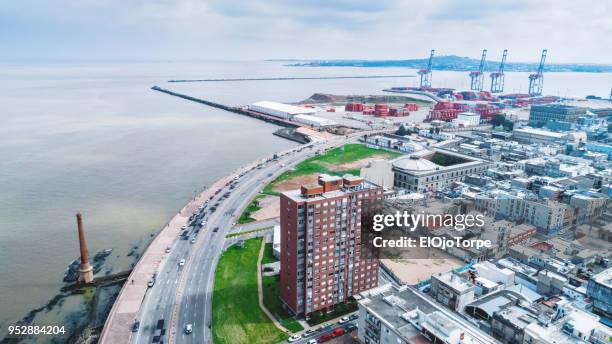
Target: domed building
column 433, row 169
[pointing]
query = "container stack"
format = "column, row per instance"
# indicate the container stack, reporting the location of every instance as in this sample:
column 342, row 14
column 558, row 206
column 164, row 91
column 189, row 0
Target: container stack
column 381, row 110
column 446, row 111
column 411, row 107
column 354, row 107
column 402, row 112
column 486, row 111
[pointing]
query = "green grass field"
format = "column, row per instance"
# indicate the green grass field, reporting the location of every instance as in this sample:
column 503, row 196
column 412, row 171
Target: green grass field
column 245, row 217
column 268, row 256
column 271, row 298
column 337, row 156
column 237, row 317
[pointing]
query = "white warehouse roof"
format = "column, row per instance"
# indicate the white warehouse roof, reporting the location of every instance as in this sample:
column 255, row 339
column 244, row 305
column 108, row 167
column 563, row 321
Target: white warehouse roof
column 281, row 107
column 313, row 120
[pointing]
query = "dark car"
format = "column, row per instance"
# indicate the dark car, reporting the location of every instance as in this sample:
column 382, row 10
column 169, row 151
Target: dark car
column 350, row 327
column 310, row 332
column 216, row 229
column 136, row 326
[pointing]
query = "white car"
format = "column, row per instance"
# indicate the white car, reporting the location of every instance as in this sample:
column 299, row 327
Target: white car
column 312, row 341
column 184, row 227
column 182, row 262
column 343, row 320
column 294, row 338
column 188, row 328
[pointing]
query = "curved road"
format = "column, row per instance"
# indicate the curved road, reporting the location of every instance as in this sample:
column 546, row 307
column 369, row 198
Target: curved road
column 192, row 284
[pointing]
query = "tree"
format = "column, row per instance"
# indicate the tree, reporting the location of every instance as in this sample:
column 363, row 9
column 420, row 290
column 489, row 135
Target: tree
column 498, row 120
column 402, row 131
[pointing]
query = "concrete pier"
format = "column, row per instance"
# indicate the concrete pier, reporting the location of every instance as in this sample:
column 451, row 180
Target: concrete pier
column 234, row 109
column 297, row 78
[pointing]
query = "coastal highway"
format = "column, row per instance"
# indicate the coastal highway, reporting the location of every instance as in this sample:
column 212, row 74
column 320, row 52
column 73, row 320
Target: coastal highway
column 182, row 295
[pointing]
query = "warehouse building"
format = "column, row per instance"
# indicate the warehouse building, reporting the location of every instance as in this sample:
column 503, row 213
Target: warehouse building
column 313, row 121
column 539, row 115
column 281, row 110
column 535, row 135
column 467, row 119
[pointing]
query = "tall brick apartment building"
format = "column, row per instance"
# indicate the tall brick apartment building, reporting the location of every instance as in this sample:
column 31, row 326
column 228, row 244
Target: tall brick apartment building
column 323, row 261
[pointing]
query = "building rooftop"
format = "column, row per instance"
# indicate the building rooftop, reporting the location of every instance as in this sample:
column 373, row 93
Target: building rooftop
column 290, row 109
column 604, row 278
column 337, row 187
column 538, row 131
column 454, row 281
column 518, row 316
column 556, row 106
column 390, row 303
column 414, row 163
column 517, row 266
column 436, row 159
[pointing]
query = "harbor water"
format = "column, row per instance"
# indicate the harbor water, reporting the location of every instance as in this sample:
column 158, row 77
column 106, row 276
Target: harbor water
column 94, row 138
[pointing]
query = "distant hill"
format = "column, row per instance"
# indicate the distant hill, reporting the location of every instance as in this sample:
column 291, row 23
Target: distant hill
column 454, row 63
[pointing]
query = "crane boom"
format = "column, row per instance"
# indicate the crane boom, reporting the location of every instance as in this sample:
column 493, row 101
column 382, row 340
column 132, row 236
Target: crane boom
column 431, row 55
column 497, row 78
column 542, row 61
column 503, row 62
column 426, row 73
column 482, row 61
column 477, row 77
column 536, row 80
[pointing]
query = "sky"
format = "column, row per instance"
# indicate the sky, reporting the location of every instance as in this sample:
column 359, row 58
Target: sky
column 571, row 30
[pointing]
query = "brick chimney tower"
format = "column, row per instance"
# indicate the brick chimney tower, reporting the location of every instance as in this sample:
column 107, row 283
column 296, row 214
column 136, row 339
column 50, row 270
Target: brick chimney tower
column 85, row 270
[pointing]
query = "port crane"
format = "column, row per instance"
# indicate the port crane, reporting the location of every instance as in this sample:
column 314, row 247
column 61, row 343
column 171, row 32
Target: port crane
column 497, row 78
column 536, row 81
column 477, row 77
column 426, row 73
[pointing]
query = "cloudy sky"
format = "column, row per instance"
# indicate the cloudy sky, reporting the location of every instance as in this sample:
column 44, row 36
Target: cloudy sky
column 572, row 30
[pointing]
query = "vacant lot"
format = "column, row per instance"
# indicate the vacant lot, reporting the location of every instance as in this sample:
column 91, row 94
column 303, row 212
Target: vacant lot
column 237, row 317
column 413, row 271
column 338, row 161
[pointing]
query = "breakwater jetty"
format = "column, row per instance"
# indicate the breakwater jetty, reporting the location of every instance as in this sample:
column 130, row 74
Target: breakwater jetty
column 235, row 109
column 296, row 78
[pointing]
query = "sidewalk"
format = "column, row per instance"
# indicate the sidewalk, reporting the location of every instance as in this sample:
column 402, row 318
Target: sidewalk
column 260, row 292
